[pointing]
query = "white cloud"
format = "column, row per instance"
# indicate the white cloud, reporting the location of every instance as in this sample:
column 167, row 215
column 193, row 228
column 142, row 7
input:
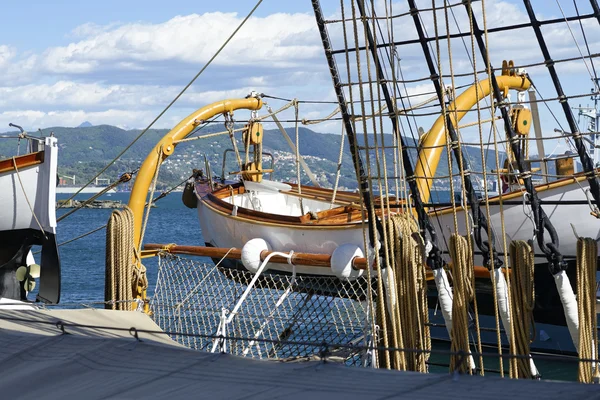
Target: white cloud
column 40, row 119
column 6, row 54
column 140, row 67
column 277, row 40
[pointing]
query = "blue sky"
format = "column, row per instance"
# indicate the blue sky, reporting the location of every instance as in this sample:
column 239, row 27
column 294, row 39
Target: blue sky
column 44, row 23
column 119, row 62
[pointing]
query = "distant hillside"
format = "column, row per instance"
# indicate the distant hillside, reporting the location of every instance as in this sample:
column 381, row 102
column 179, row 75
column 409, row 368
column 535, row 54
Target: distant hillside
column 86, row 149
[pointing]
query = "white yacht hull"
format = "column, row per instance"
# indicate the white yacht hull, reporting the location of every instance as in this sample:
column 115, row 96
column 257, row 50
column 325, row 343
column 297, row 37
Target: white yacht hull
column 518, row 221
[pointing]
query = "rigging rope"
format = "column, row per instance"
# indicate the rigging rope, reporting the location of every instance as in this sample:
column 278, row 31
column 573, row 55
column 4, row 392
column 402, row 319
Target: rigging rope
column 502, row 299
column 122, row 276
column 338, row 171
column 373, row 317
column 297, row 155
column 363, row 177
column 522, row 302
column 287, row 138
column 463, row 280
column 229, row 125
column 37, row 221
column 172, row 101
column 587, row 256
column 126, row 177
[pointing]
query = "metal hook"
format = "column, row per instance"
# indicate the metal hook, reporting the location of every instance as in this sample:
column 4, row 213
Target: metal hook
column 134, row 332
column 61, row 326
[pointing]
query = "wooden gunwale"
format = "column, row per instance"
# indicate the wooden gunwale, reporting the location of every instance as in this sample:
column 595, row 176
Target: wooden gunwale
column 345, row 214
column 24, row 161
column 305, row 259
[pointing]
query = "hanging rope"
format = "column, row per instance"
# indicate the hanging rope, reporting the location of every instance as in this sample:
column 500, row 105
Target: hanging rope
column 521, row 307
column 338, row 171
column 37, row 221
column 142, row 133
column 463, row 280
column 230, row 125
column 122, row 277
column 406, row 294
column 297, row 155
column 587, row 256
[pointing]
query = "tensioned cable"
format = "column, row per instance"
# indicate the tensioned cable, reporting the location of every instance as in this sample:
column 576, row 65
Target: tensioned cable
column 587, row 46
column 172, row 102
column 576, row 43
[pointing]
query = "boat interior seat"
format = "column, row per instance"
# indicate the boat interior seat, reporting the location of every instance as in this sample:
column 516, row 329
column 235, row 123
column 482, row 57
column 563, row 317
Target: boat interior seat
column 324, row 215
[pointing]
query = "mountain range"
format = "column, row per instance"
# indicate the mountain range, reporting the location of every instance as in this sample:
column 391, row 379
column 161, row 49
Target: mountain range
column 84, row 150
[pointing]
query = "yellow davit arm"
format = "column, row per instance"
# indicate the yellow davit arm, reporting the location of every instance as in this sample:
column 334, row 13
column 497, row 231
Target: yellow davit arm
column 429, row 158
column 165, row 147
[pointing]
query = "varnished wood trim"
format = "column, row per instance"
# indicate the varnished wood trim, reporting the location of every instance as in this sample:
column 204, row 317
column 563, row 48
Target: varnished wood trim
column 241, row 217
column 518, row 194
column 258, row 215
column 24, row 161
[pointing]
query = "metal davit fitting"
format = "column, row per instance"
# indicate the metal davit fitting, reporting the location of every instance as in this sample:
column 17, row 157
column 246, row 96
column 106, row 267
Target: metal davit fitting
column 166, row 146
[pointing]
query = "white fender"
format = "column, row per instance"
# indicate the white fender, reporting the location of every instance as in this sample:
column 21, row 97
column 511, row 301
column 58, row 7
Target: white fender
column 251, row 253
column 341, row 261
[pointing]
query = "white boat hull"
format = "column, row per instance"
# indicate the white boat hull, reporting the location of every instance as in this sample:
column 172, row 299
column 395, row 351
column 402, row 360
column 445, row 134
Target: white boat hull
column 31, row 190
column 85, row 190
column 225, row 230
column 518, row 223
column 27, row 218
column 221, row 230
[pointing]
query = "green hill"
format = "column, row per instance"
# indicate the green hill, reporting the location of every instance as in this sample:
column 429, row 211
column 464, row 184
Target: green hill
column 86, row 149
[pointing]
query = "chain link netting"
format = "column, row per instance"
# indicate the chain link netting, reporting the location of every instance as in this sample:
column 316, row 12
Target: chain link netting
column 193, row 298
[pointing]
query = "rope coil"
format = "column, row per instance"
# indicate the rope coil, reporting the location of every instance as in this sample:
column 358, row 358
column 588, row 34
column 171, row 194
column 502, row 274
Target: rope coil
column 463, row 281
column 521, row 307
column 124, row 280
column 406, row 295
column 587, row 256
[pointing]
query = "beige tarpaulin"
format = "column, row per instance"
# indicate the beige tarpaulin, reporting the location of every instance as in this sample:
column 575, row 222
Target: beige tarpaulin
column 39, row 361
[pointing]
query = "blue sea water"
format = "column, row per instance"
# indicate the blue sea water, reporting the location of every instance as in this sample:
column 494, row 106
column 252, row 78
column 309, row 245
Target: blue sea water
column 83, row 260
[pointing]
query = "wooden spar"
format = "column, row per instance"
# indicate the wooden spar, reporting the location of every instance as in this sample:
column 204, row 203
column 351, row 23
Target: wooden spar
column 166, row 146
column 312, row 259
column 316, row 260
column 26, row 160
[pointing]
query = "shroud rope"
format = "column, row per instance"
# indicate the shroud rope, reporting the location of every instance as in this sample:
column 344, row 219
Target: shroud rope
column 587, row 256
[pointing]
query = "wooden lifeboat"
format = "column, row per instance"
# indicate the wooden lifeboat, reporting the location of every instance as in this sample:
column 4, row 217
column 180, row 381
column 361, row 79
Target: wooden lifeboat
column 288, row 219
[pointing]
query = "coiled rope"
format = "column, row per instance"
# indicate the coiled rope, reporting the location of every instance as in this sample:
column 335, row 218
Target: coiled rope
column 406, row 294
column 521, row 307
column 123, row 278
column 463, row 283
column 587, row 256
